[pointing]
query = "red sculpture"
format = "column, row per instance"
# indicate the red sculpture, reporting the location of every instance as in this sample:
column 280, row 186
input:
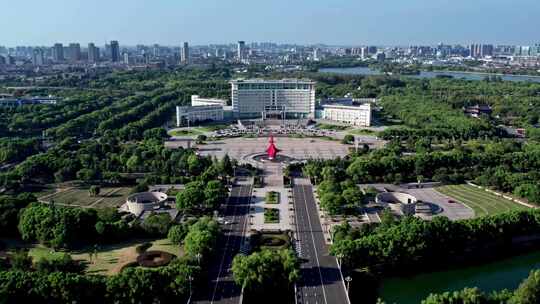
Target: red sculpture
column 271, row 150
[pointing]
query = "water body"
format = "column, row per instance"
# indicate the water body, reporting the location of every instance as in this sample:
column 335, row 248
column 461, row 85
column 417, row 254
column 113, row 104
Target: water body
column 507, row 273
column 427, row 74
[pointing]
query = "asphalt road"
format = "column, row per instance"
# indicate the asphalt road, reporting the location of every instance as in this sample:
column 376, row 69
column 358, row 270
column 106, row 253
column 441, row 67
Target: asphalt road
column 221, row 287
column 321, row 280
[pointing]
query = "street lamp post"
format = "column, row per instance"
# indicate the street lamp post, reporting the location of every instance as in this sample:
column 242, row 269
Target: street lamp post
column 348, row 279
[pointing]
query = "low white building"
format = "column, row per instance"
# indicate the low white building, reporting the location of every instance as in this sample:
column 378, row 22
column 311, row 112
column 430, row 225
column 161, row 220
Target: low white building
column 192, row 114
column 356, row 115
column 196, row 100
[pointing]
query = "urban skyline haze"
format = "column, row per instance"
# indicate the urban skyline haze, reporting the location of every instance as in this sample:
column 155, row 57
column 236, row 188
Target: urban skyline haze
column 339, row 22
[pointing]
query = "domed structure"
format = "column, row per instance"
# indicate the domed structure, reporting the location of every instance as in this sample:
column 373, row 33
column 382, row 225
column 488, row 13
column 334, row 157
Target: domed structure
column 399, row 202
column 144, row 201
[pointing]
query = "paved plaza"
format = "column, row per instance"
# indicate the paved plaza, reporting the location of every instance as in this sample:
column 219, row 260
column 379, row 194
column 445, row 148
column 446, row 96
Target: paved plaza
column 454, row 211
column 298, row 148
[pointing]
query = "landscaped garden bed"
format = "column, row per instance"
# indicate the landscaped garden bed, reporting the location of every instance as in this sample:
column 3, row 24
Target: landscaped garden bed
column 271, row 216
column 272, row 197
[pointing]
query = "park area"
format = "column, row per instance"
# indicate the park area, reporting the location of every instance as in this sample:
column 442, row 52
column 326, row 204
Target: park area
column 80, row 196
column 108, row 259
column 482, row 202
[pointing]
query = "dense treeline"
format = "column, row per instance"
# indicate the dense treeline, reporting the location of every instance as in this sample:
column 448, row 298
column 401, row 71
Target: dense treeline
column 61, row 280
column 506, row 165
column 27, row 119
column 85, row 125
column 60, row 227
column 17, row 149
column 168, row 284
column 105, row 159
column 528, row 292
column 412, row 243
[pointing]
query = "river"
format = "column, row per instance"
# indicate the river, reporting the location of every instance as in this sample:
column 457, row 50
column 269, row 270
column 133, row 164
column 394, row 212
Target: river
column 427, row 74
column 507, row 273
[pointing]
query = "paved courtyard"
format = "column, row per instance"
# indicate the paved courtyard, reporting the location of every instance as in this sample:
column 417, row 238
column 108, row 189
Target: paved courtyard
column 298, row 148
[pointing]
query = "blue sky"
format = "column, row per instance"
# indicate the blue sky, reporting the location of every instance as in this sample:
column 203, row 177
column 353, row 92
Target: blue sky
column 346, row 22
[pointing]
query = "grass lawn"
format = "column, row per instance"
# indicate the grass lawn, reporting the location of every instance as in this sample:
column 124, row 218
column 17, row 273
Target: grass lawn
column 190, row 132
column 108, row 197
column 271, row 216
column 272, row 197
column 214, row 127
column 110, row 258
column 362, row 132
column 323, row 126
column 482, row 202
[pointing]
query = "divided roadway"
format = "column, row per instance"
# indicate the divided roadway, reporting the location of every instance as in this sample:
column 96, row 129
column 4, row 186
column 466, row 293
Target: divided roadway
column 221, row 288
column 321, row 280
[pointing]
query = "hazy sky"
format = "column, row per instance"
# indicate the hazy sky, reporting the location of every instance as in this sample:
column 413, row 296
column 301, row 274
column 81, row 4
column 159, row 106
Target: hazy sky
column 346, row 22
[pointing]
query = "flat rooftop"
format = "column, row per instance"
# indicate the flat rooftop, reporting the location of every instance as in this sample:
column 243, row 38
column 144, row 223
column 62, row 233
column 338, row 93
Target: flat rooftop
column 260, row 80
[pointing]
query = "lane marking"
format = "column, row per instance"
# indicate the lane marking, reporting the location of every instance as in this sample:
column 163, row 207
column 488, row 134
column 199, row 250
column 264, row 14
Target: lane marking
column 313, row 240
column 226, row 244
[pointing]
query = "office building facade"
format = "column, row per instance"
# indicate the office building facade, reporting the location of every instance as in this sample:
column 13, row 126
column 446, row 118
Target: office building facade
column 350, row 114
column 93, row 53
column 58, row 52
column 186, row 115
column 241, row 51
column 184, row 54
column 115, row 51
column 287, row 98
column 38, row 57
column 74, row 52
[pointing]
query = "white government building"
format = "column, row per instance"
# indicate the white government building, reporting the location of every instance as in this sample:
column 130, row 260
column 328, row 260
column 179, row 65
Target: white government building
column 286, row 98
column 275, row 99
column 349, row 113
column 201, row 109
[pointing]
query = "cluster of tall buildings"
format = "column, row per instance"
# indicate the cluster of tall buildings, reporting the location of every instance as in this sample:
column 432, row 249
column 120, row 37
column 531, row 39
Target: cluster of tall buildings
column 59, row 53
column 480, row 50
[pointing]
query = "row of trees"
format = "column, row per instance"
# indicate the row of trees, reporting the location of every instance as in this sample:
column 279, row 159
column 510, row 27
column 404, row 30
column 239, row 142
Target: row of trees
column 167, row 284
column 528, row 292
column 60, row 227
column 267, row 276
column 412, row 243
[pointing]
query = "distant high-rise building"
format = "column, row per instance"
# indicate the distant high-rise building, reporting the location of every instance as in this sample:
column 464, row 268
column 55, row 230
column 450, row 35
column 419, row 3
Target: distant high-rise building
column 364, row 52
column 184, row 56
column 156, row 50
column 58, row 52
column 126, row 58
column 74, row 52
column 241, row 52
column 9, row 60
column 37, row 57
column 316, row 54
column 93, row 53
column 480, row 50
column 2, row 60
column 115, row 51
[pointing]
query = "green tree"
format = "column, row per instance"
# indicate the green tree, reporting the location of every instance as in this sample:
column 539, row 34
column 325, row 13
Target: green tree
column 177, row 233
column 215, row 193
column 348, row 139
column 267, row 270
column 528, row 291
column 94, row 190
column 189, row 198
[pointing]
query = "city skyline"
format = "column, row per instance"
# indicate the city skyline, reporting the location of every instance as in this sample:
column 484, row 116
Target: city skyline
column 418, row 22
